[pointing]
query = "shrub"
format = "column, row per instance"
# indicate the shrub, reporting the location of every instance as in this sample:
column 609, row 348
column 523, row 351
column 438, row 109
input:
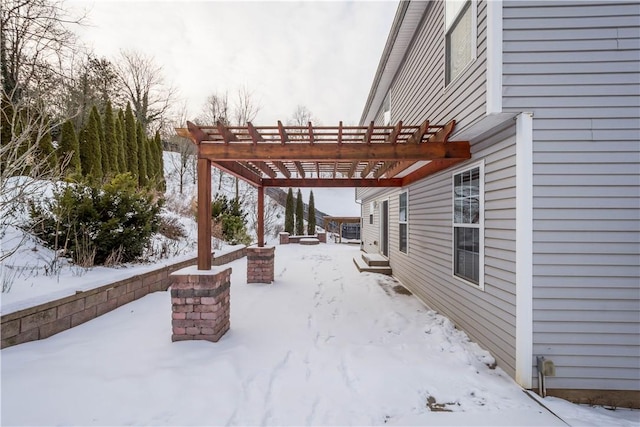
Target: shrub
column 112, row 222
column 228, row 214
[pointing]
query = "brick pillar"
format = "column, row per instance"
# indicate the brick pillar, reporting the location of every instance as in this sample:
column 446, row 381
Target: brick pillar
column 284, row 238
column 200, row 303
column 260, row 264
column 322, row 237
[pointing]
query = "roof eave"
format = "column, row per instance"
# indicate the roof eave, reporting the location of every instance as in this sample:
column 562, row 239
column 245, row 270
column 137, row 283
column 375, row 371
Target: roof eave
column 405, row 23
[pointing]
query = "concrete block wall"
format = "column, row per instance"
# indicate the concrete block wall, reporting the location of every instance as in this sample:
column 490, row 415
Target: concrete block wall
column 42, row 321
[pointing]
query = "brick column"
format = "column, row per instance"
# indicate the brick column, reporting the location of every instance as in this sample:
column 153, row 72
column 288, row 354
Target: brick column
column 200, row 303
column 322, row 237
column 260, row 264
column 284, row 238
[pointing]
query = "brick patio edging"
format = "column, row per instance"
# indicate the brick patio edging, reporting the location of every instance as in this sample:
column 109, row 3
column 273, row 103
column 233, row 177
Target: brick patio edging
column 44, row 320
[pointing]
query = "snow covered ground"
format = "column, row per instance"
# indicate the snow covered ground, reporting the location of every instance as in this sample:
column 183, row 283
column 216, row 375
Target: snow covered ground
column 322, row 345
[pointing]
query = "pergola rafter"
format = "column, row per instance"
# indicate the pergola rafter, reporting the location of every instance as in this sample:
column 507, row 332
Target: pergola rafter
column 338, row 156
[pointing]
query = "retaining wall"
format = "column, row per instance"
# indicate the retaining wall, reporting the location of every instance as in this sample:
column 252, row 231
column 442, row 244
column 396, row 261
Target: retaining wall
column 42, row 321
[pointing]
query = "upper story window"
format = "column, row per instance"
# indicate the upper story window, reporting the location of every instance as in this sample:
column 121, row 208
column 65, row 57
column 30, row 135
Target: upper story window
column 460, row 28
column 386, row 111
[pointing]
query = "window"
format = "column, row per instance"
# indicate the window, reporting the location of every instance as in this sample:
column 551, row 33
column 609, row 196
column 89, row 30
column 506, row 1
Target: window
column 460, row 36
column 468, row 229
column 403, row 220
column 372, row 207
column 386, row 111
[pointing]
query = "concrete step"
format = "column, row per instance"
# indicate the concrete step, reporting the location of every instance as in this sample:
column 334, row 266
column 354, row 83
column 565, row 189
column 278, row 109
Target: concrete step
column 375, row 260
column 363, row 266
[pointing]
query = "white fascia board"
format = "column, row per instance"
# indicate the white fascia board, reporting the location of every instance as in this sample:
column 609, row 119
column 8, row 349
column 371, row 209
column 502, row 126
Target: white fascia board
column 494, row 57
column 524, row 250
column 406, row 23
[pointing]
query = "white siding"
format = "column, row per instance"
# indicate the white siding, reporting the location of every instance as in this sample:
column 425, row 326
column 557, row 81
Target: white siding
column 575, row 66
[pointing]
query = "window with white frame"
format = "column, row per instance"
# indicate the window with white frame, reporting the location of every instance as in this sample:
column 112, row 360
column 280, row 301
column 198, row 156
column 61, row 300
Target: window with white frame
column 386, row 110
column 468, row 228
column 403, row 221
column 460, row 30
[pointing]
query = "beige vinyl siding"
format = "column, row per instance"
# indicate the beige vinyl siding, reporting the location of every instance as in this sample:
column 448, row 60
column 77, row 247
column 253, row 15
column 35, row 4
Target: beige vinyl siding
column 575, row 66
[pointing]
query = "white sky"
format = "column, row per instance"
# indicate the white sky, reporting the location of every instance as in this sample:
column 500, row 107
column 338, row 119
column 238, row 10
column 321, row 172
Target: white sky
column 322, row 55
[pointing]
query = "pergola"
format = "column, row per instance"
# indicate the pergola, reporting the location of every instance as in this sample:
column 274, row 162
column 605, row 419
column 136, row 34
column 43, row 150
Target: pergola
column 316, row 156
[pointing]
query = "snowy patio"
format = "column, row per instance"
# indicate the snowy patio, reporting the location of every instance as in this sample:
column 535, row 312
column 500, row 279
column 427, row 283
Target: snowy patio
column 322, row 345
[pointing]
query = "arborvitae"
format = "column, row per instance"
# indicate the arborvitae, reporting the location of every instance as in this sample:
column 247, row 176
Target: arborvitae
column 122, row 147
column 90, row 155
column 299, row 214
column 151, row 160
column 311, row 224
column 46, row 153
column 131, row 143
column 142, row 155
column 157, row 144
column 104, row 155
column 68, row 148
column 288, row 213
column 110, row 142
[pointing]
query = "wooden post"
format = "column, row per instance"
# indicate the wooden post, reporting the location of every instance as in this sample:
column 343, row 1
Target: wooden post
column 260, row 216
column 204, row 214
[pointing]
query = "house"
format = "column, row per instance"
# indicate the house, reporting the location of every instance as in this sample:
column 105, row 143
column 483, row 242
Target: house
column 532, row 246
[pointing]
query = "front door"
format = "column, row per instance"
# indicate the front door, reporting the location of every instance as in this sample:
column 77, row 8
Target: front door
column 384, row 228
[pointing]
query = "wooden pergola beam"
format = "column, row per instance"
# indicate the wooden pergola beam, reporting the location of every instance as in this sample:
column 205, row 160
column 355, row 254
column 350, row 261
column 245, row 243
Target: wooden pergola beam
column 367, row 169
column 429, row 169
column 227, row 135
column 239, row 171
column 282, row 168
column 300, row 169
column 265, row 169
column 331, row 182
column 352, row 169
column 255, row 135
column 333, row 152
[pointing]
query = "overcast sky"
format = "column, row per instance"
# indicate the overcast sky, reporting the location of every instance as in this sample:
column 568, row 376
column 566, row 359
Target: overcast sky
column 322, row 55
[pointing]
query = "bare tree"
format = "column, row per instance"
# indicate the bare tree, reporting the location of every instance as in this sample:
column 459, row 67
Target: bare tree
column 183, row 164
column 216, row 109
column 34, row 41
column 301, row 116
column 25, row 170
column 144, row 85
column 246, row 108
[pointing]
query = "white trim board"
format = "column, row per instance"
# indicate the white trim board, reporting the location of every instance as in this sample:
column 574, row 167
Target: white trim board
column 524, row 249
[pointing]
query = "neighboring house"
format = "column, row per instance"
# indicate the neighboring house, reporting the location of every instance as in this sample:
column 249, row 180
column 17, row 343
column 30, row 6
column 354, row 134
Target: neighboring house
column 532, row 246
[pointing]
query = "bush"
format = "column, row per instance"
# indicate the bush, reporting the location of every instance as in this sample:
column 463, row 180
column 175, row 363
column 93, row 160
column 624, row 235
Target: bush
column 83, row 220
column 228, row 214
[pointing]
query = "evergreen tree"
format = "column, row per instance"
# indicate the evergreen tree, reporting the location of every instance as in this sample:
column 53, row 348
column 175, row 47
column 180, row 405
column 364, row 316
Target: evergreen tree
column 68, row 147
column 110, row 142
column 122, row 148
column 288, row 213
column 311, row 224
column 104, row 155
column 142, row 155
column 299, row 214
column 90, row 154
column 45, row 151
column 151, row 161
column 157, row 144
column 131, row 142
